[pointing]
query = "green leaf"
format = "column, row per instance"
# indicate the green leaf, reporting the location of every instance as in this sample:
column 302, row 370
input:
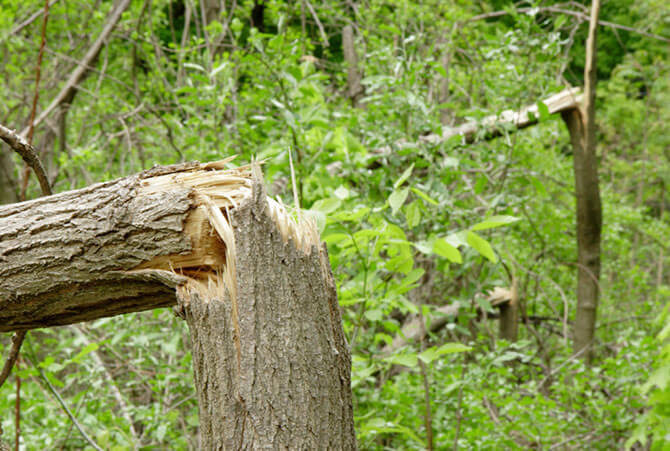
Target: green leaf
column 425, row 247
column 482, row 246
column 374, row 315
column 84, row 352
column 543, row 110
column 326, row 205
column 397, row 199
column 160, row 432
column 413, row 214
column 429, row 355
column 452, row 348
column 424, row 196
column 446, row 250
column 494, row 221
column 405, row 175
column 433, row 353
column 408, row 359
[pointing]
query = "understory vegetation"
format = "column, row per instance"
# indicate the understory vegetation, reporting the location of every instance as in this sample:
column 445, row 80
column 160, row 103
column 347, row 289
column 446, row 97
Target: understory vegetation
column 412, row 224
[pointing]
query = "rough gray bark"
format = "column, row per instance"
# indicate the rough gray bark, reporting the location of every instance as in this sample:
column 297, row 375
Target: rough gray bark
column 271, row 363
column 64, row 257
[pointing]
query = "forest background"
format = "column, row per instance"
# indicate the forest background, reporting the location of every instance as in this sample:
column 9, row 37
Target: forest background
column 200, row 80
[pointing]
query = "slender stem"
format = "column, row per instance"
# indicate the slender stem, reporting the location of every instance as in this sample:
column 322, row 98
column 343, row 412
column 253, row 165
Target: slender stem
column 427, row 416
column 17, row 411
column 64, row 406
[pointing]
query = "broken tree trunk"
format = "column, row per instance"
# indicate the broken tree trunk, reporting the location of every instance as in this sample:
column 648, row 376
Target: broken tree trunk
column 581, row 123
column 271, row 364
column 267, row 339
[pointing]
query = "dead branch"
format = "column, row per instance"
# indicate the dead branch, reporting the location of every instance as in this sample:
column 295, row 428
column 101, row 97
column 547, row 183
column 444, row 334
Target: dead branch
column 581, row 16
column 29, row 155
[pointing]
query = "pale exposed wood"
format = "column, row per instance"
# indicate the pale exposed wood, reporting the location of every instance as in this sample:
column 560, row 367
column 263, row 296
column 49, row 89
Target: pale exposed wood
column 497, row 123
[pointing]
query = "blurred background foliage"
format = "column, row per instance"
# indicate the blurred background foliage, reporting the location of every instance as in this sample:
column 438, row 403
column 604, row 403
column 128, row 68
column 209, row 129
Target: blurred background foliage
column 200, row 80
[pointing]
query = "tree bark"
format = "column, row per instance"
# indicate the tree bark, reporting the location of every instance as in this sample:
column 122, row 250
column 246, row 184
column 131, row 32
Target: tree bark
column 8, row 192
column 354, row 87
column 64, row 257
column 268, row 345
column 508, row 327
column 582, row 127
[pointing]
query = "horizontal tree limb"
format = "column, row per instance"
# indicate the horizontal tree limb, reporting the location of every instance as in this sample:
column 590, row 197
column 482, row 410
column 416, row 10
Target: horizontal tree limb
column 115, row 247
column 496, row 125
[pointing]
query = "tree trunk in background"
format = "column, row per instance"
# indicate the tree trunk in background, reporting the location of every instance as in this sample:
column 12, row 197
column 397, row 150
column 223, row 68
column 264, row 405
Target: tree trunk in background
column 509, row 315
column 8, row 186
column 582, row 127
column 354, row 88
column 272, row 366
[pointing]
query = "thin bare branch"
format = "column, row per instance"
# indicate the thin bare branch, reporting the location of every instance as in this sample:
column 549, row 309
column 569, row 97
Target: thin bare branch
column 17, row 341
column 29, row 155
column 582, row 16
column 17, row 29
column 324, row 37
column 83, row 68
column 67, row 410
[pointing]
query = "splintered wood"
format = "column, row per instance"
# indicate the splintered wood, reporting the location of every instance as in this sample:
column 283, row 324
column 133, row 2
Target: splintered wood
column 216, row 192
column 150, row 233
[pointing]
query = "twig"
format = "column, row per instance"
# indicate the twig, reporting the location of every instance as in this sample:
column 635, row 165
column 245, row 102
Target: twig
column 83, row 68
column 36, row 95
column 29, row 20
column 17, row 411
column 17, row 340
column 567, row 12
column 29, row 155
column 123, row 407
column 427, row 416
column 459, row 410
column 66, row 409
column 27, row 152
column 324, row 37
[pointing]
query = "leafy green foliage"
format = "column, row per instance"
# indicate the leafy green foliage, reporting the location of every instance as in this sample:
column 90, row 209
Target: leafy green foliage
column 412, row 225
